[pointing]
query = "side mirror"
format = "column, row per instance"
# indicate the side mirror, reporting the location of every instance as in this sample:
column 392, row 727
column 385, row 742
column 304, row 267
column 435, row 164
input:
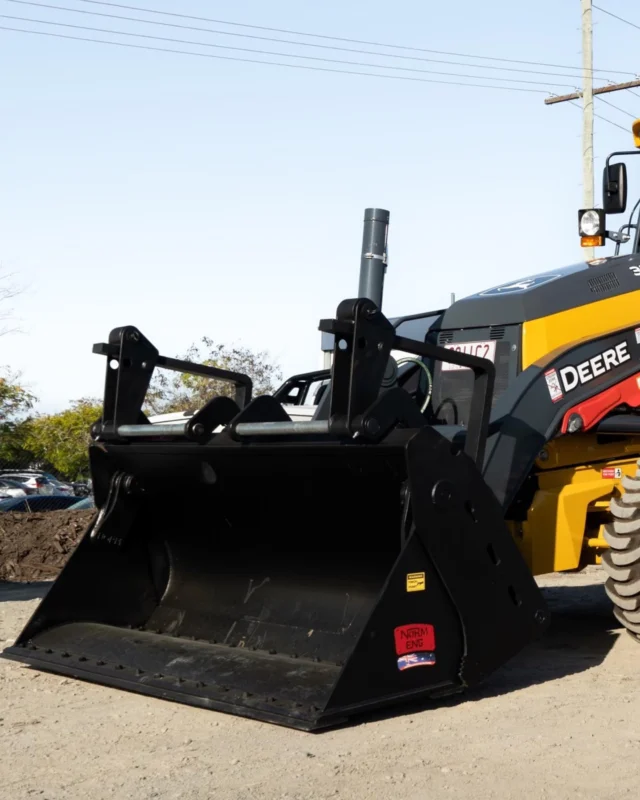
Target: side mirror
column 614, row 188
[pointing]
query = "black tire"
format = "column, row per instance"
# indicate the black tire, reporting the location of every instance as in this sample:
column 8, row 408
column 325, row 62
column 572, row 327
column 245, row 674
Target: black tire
column 622, row 561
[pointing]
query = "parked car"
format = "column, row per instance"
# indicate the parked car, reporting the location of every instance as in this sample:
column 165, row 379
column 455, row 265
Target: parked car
column 32, row 484
column 81, row 489
column 83, row 505
column 49, row 482
column 62, row 487
column 10, row 488
column 55, row 502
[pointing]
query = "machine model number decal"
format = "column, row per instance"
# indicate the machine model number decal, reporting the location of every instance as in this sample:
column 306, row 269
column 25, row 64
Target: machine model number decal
column 414, row 638
column 637, row 332
column 635, row 270
column 553, row 384
column 480, row 349
column 416, row 582
column 612, row 472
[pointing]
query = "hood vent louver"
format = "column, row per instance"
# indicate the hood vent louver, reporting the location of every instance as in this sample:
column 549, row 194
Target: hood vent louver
column 603, row 283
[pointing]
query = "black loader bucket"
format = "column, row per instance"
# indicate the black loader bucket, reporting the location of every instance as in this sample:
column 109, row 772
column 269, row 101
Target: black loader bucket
column 296, row 575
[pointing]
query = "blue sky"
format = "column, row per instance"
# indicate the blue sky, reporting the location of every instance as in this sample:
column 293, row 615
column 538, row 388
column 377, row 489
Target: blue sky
column 195, row 196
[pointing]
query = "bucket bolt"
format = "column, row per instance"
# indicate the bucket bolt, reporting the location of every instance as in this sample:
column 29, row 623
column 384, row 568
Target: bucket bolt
column 444, row 495
column 575, row 424
column 372, row 426
column 132, row 485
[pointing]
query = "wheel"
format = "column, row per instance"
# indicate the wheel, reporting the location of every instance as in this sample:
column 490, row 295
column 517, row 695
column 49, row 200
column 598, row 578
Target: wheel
column 622, row 561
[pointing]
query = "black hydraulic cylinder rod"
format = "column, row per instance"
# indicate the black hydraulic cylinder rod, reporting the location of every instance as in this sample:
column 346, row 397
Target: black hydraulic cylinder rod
column 373, row 263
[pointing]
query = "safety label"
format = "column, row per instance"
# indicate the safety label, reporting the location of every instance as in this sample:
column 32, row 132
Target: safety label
column 416, row 582
column 416, row 660
column 412, row 638
column 612, row 472
column 553, row 384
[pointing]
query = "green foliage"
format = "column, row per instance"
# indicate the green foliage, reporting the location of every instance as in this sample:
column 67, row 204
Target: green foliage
column 15, row 401
column 15, row 404
column 61, row 441
column 176, row 392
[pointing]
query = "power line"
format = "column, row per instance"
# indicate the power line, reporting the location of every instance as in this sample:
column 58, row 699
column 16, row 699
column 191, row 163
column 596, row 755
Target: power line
column 172, row 40
column 626, row 21
column 617, row 108
column 292, row 42
column 340, row 38
column 604, row 119
column 268, row 63
column 615, row 124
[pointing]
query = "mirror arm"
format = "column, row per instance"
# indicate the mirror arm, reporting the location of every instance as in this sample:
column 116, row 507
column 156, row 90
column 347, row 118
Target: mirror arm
column 636, row 241
column 616, row 236
column 621, row 153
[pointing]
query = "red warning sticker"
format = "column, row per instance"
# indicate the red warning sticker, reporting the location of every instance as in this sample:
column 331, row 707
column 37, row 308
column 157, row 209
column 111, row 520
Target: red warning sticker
column 414, row 638
column 612, row 472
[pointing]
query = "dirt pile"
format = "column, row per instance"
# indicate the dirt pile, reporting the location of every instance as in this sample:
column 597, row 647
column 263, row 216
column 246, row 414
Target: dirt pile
column 35, row 547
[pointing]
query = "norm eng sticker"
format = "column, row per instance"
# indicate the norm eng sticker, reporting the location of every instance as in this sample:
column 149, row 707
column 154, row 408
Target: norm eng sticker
column 411, row 638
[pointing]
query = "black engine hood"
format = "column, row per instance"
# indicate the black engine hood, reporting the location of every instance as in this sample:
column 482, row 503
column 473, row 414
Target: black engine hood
column 546, row 293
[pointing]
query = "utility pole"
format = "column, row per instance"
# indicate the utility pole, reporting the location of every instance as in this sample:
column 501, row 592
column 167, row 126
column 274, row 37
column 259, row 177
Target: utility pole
column 587, row 112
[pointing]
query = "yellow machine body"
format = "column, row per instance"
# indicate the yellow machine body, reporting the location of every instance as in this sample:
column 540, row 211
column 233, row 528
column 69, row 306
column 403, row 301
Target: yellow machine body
column 563, row 528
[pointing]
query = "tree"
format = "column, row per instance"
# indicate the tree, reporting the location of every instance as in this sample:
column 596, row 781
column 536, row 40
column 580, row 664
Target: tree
column 170, row 391
column 61, row 441
column 15, row 404
column 15, row 400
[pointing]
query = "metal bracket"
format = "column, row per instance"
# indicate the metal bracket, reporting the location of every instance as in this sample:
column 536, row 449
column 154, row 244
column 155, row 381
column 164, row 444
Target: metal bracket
column 114, row 520
column 131, row 360
column 363, row 342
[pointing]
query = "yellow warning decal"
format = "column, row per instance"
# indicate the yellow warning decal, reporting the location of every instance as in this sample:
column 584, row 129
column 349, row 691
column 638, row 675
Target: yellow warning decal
column 416, row 582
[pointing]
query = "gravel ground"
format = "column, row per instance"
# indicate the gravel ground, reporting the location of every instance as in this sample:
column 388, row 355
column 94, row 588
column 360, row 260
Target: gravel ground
column 560, row 721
